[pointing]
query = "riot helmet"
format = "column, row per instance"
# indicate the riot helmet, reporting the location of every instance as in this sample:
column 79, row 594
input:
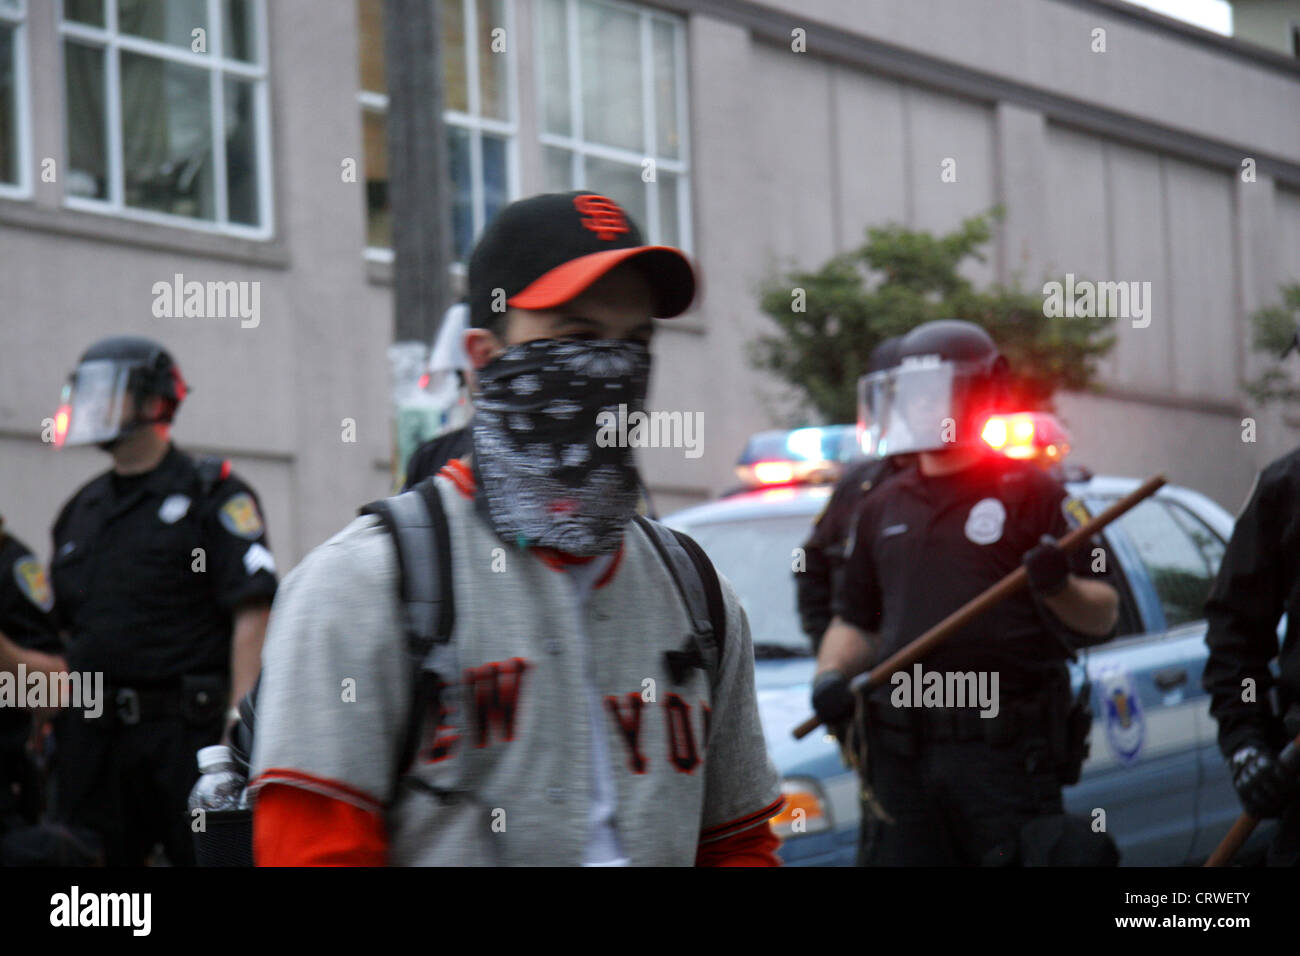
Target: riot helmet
column 948, row 379
column 104, row 398
column 883, row 357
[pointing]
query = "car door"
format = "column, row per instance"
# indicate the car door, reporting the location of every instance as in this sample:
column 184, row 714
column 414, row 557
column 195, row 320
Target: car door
column 1144, row 767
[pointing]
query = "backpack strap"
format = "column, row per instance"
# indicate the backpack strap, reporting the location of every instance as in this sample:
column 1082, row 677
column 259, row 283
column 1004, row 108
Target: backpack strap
column 417, row 523
column 701, row 593
column 418, row 526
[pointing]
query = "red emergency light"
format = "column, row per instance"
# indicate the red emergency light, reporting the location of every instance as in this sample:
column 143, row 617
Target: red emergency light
column 1027, row 435
column 61, row 425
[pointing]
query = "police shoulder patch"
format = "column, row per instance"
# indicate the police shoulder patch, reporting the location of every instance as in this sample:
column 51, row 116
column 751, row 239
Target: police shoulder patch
column 1076, row 513
column 30, row 577
column 240, row 517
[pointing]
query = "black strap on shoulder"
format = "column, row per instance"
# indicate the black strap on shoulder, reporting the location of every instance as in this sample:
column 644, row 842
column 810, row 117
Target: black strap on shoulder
column 213, row 470
column 701, row 593
column 717, row 608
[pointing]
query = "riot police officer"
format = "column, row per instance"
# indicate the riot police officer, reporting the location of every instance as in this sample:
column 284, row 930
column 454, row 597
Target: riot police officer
column 1258, row 581
column 163, row 580
column 824, row 549
column 969, row 748
column 28, row 639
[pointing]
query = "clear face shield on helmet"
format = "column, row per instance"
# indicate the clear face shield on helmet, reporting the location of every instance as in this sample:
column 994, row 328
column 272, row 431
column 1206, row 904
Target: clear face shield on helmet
column 97, row 405
column 922, row 404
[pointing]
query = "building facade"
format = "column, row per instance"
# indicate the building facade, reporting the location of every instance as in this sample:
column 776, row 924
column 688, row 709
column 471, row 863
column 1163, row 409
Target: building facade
column 138, row 155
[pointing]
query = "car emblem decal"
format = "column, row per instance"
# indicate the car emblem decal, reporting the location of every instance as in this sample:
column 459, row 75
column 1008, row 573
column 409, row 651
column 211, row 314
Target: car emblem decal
column 1125, row 720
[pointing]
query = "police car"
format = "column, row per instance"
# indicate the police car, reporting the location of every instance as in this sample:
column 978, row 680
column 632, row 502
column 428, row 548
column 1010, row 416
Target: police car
column 1154, row 768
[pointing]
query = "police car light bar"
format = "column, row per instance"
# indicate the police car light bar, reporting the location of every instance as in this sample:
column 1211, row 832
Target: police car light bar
column 802, row 456
column 1027, row 435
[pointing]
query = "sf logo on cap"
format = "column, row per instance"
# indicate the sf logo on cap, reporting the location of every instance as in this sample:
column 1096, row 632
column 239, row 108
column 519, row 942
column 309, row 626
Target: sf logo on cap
column 601, row 215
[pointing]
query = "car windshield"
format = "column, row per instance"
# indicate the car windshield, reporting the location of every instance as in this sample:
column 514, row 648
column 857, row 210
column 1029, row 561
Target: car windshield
column 756, row 555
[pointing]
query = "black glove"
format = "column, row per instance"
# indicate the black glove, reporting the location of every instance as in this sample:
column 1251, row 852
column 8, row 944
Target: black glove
column 1261, row 784
column 832, row 699
column 1047, row 567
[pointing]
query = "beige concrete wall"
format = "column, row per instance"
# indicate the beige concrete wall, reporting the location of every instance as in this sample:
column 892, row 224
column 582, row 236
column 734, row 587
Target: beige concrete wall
column 793, row 156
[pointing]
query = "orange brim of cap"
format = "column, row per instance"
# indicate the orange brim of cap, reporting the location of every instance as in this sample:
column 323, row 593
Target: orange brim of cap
column 670, row 274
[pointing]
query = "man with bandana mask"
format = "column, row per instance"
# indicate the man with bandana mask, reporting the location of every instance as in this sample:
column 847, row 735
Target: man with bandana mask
column 573, row 743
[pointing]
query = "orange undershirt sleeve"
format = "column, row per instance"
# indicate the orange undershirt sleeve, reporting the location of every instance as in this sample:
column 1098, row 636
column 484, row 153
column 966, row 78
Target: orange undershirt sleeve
column 296, row 827
column 756, row 846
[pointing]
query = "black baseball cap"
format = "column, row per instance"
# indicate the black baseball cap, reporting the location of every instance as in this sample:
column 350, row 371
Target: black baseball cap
column 544, row 250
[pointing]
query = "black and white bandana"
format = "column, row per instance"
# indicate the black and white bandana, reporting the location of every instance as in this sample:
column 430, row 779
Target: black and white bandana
column 547, row 481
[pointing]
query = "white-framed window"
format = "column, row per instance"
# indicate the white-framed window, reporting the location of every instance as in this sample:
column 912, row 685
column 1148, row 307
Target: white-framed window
column 479, row 113
column 15, row 108
column 611, row 83
column 166, row 112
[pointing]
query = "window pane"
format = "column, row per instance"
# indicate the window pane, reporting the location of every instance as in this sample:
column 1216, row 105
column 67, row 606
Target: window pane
column 496, row 179
column 84, row 93
column 242, row 188
column 610, row 44
column 670, row 232
column 370, row 40
column 8, row 109
column 667, row 137
column 619, row 182
column 166, row 137
column 379, row 217
column 1209, row 544
column 84, row 11
column 554, row 52
column 754, row 556
column 1178, row 571
column 557, row 174
column 238, row 26
column 455, row 93
column 167, row 21
column 492, row 65
column 462, row 202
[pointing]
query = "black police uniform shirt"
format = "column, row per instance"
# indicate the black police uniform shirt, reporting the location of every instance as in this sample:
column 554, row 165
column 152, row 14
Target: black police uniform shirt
column 924, row 546
column 147, row 572
column 1258, row 581
column 26, row 618
column 824, row 550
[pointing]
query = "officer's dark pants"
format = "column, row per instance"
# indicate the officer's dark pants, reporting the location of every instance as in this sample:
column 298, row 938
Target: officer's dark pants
column 1285, row 848
column 955, row 800
column 130, row 782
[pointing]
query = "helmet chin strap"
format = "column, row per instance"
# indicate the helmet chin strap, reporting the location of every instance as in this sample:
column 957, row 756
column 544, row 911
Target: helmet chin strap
column 130, row 429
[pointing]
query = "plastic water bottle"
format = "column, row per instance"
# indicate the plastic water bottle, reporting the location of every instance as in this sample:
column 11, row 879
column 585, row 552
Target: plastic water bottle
column 221, row 785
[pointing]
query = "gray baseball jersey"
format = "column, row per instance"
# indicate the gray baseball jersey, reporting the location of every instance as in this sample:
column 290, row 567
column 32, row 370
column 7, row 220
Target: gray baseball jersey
column 503, row 774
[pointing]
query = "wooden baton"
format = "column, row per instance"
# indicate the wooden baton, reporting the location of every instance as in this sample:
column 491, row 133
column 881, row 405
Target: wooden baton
column 1009, row 585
